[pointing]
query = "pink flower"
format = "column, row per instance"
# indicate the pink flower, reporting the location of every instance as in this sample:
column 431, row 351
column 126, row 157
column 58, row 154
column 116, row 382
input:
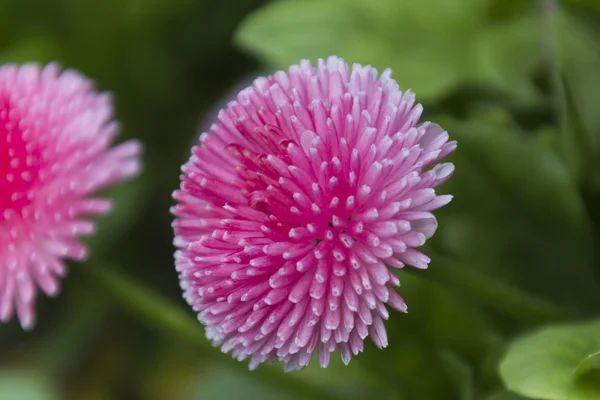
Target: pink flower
column 55, row 133
column 292, row 214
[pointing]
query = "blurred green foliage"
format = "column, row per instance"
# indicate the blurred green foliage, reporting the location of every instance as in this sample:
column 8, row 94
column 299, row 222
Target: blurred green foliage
column 516, row 82
column 435, row 46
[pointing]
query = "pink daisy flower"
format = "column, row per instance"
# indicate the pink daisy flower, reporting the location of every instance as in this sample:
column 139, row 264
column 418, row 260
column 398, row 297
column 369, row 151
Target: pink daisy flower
column 55, row 135
column 297, row 206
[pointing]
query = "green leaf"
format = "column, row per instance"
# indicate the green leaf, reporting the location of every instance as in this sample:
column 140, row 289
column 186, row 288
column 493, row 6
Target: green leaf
column 587, row 375
column 555, row 363
column 24, row 385
column 296, row 24
column 589, row 363
column 433, row 53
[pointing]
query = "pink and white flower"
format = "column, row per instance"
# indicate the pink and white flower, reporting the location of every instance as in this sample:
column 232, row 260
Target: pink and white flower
column 293, row 212
column 55, row 136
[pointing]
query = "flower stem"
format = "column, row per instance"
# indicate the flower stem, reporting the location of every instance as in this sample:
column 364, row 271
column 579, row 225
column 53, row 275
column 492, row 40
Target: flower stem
column 161, row 313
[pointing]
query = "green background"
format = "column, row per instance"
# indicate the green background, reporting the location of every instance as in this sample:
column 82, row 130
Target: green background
column 516, row 82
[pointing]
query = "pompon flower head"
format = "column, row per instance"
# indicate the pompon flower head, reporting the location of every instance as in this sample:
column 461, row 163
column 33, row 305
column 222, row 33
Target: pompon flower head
column 55, row 135
column 293, row 212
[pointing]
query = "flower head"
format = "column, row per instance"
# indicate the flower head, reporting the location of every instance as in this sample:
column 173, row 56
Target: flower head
column 55, row 135
column 298, row 204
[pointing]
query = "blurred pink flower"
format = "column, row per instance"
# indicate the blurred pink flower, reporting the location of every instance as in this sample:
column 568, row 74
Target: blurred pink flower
column 311, row 187
column 55, row 135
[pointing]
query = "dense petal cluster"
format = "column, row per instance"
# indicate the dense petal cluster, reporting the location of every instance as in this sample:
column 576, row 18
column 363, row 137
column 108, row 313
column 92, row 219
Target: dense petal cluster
column 55, row 135
column 297, row 205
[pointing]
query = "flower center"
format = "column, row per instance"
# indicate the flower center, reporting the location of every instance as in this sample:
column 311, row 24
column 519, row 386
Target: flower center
column 19, row 163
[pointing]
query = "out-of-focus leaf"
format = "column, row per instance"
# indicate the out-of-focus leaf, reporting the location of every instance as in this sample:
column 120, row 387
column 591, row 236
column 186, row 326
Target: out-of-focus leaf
column 499, row 295
column 505, row 395
column 168, row 317
column 444, row 316
column 383, row 33
column 24, row 385
column 579, row 53
column 430, row 52
column 503, row 9
column 215, row 383
column 461, row 373
column 591, row 362
column 529, row 173
column 555, row 363
column 403, row 365
column 282, row 30
column 176, row 373
column 591, row 4
column 497, row 50
column 351, row 382
column 437, row 319
column 487, row 369
column 517, row 213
